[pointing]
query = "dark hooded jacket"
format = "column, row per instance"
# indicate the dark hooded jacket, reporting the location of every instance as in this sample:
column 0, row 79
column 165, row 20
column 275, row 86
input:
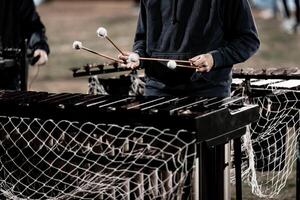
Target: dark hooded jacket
column 182, row 29
column 19, row 21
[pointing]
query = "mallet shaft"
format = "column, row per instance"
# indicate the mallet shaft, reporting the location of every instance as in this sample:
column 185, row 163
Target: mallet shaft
column 115, row 45
column 102, row 55
column 162, row 59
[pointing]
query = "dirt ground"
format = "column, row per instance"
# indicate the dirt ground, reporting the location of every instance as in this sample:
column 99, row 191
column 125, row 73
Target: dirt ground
column 79, row 20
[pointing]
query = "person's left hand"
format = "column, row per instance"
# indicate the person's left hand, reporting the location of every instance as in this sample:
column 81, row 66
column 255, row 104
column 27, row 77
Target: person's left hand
column 43, row 57
column 203, row 62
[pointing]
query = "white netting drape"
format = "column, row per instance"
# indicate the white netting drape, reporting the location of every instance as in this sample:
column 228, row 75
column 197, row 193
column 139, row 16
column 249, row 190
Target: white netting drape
column 46, row 159
column 94, row 86
column 270, row 146
column 136, row 87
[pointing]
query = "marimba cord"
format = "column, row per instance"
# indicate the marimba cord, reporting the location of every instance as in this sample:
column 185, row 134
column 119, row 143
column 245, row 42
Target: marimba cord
column 34, row 78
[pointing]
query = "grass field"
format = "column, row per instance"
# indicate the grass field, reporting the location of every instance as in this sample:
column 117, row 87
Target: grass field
column 79, row 20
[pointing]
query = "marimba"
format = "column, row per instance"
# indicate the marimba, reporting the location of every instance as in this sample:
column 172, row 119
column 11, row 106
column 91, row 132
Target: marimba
column 212, row 121
column 264, row 81
column 190, row 113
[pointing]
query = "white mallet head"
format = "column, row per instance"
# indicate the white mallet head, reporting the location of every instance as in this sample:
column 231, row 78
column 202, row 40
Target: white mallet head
column 133, row 57
column 102, row 32
column 77, row 45
column 172, row 64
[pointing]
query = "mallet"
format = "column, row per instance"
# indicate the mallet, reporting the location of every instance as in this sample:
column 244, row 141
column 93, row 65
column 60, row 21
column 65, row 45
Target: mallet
column 77, row 45
column 102, row 33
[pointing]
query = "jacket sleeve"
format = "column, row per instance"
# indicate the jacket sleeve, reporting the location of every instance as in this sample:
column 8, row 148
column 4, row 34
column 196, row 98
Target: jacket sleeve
column 34, row 29
column 240, row 34
column 141, row 31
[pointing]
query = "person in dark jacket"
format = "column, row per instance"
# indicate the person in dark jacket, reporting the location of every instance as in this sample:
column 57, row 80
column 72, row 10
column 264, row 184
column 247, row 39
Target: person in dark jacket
column 213, row 35
column 19, row 21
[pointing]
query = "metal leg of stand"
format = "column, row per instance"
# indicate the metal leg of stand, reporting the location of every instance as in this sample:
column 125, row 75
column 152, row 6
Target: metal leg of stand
column 196, row 184
column 298, row 171
column 238, row 168
column 212, row 164
column 297, row 127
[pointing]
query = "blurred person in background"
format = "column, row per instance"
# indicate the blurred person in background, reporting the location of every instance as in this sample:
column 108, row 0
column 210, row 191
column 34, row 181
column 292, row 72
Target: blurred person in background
column 19, row 21
column 212, row 35
column 267, row 8
column 292, row 22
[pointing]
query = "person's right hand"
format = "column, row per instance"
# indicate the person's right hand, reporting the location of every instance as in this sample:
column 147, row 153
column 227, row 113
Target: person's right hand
column 131, row 60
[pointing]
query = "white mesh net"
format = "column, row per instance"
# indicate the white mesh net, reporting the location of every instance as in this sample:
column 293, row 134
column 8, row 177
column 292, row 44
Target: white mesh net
column 270, row 146
column 95, row 87
column 136, row 88
column 46, row 159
